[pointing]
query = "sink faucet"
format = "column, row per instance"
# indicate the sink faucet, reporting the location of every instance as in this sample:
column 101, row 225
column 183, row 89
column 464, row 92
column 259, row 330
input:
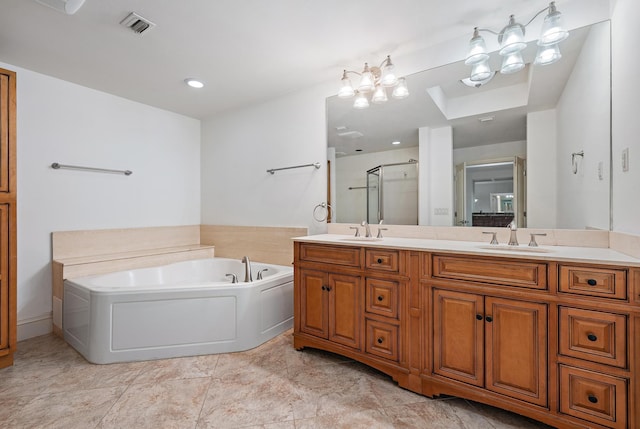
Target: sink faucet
column 367, row 229
column 513, row 238
column 247, row 269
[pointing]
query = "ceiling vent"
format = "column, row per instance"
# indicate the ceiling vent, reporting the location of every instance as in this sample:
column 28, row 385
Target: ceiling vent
column 137, row 23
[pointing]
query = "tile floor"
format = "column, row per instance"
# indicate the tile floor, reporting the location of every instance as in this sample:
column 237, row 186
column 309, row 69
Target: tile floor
column 272, row 386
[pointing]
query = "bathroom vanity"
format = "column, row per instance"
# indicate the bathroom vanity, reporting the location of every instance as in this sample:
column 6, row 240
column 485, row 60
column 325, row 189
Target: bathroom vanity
column 550, row 332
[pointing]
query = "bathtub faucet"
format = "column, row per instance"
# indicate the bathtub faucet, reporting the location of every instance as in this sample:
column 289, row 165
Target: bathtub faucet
column 247, row 269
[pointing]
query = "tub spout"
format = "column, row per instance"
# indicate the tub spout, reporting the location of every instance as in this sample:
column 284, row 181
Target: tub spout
column 247, row 269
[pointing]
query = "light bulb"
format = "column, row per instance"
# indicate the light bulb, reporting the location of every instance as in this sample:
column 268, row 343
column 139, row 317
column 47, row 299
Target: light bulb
column 401, row 91
column 553, row 30
column 547, row 55
column 477, row 49
column 481, row 72
column 388, row 78
column 379, row 95
column 512, row 38
column 366, row 80
column 512, row 63
column 346, row 90
column 361, row 102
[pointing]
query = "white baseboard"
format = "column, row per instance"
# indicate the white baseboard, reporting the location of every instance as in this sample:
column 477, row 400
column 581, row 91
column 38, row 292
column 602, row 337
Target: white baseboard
column 35, row 326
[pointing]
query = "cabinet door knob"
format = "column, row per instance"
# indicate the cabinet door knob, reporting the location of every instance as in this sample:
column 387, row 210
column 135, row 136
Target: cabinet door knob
column 329, row 288
column 592, row 337
column 592, row 282
column 380, row 341
column 479, row 316
column 379, row 260
column 380, row 298
column 489, row 319
column 592, row 399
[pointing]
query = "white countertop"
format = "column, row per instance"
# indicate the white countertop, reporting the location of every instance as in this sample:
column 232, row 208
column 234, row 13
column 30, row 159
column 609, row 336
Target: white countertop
column 596, row 255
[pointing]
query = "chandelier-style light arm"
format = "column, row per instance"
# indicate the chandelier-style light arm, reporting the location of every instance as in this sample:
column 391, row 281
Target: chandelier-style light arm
column 344, row 73
column 551, row 8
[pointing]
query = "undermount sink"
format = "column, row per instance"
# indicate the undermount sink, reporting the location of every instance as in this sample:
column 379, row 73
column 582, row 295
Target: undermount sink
column 507, row 248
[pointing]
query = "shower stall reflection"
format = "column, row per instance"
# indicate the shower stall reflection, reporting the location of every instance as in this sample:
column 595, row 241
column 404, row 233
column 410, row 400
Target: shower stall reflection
column 392, row 193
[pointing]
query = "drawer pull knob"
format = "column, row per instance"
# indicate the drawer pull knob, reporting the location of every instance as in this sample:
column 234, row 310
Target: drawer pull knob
column 592, row 282
column 379, row 260
column 592, row 337
column 380, row 341
column 380, row 298
column 479, row 316
column 592, row 399
column 489, row 319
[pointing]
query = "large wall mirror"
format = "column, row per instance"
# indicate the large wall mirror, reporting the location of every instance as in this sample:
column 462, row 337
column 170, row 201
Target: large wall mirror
column 534, row 146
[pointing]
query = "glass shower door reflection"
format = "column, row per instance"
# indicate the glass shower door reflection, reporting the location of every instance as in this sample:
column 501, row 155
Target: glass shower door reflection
column 373, row 195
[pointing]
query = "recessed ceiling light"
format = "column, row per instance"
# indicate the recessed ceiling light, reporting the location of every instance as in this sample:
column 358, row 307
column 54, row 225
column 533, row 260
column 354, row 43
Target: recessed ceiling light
column 194, row 83
column 395, row 143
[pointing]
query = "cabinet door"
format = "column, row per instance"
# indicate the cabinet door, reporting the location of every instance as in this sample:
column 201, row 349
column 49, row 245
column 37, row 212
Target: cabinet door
column 313, row 303
column 516, row 349
column 458, row 328
column 4, row 131
column 4, row 278
column 344, row 309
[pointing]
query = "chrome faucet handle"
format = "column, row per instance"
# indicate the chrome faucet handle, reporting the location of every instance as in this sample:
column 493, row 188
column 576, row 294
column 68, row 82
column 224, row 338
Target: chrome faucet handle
column 380, row 231
column 494, row 240
column 234, row 278
column 533, row 243
column 260, row 273
column 357, row 230
column 367, row 229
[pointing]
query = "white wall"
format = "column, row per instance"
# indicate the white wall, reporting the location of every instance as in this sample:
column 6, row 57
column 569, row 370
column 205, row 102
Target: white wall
column 238, row 148
column 436, row 176
column 542, row 173
column 583, row 198
column 66, row 123
column 626, row 126
column 351, row 171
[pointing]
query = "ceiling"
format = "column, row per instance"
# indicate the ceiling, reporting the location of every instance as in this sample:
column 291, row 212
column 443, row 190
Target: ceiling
column 246, row 51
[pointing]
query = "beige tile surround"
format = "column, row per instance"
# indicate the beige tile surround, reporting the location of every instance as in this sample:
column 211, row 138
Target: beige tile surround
column 265, row 244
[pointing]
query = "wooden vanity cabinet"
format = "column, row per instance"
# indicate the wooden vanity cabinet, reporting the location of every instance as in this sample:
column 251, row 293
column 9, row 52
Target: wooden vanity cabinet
column 8, row 231
column 557, row 342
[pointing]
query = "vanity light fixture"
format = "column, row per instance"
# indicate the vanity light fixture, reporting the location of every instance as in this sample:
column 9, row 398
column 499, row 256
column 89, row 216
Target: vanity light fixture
column 374, row 81
column 511, row 40
column 194, row 83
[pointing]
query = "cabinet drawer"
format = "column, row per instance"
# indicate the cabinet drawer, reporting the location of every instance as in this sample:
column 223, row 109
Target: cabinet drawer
column 382, row 297
column 381, row 339
column 593, row 335
column 593, row 396
column 509, row 273
column 384, row 260
column 606, row 283
column 338, row 255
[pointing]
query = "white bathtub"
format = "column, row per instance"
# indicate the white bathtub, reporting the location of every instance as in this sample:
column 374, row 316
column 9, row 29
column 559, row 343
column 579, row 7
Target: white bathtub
column 182, row 309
